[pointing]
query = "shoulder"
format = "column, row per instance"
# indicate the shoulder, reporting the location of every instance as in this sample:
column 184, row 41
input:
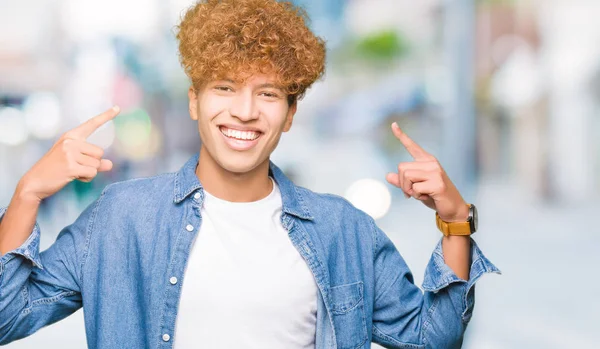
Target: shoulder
column 333, row 209
column 141, row 188
column 340, row 227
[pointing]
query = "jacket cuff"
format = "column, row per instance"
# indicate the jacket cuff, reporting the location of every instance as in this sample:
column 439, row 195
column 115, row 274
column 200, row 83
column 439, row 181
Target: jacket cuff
column 30, row 249
column 438, row 275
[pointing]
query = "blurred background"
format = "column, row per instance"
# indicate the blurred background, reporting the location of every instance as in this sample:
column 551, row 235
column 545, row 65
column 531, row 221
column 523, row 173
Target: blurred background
column 506, row 93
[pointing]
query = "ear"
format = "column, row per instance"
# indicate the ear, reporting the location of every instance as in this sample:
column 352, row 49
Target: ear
column 290, row 116
column 193, row 104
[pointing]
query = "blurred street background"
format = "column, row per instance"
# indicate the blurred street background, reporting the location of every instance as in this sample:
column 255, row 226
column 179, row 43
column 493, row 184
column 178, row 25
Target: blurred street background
column 506, row 93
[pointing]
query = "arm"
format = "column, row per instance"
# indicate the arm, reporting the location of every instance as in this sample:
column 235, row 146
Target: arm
column 425, row 180
column 457, row 251
column 39, row 289
column 403, row 316
column 70, row 158
column 18, row 219
column 437, row 318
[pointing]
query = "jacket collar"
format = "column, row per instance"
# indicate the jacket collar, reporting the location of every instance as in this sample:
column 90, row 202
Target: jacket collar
column 186, row 182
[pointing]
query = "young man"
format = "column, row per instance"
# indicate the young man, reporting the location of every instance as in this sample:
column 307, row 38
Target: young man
column 228, row 252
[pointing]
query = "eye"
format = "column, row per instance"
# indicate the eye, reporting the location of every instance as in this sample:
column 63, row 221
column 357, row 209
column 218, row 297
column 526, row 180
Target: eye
column 269, row 94
column 223, row 88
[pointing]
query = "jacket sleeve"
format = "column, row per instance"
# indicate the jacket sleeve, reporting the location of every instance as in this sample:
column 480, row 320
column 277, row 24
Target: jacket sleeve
column 406, row 317
column 38, row 289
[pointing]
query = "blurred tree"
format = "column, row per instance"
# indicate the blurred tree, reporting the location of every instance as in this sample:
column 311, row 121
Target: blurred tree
column 384, row 45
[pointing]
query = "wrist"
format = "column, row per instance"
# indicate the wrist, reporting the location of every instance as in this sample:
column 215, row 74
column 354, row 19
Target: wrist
column 461, row 215
column 456, row 240
column 25, row 194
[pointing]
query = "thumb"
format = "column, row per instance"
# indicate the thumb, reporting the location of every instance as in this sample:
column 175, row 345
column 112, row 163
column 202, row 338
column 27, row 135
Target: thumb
column 393, row 179
column 105, row 165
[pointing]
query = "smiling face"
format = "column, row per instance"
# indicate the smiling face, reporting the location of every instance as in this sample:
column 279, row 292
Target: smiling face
column 240, row 124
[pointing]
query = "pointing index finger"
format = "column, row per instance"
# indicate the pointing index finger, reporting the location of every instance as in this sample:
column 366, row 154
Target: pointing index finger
column 413, row 148
column 87, row 128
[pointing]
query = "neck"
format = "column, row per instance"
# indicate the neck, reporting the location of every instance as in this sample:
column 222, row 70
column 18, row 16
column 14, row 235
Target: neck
column 230, row 186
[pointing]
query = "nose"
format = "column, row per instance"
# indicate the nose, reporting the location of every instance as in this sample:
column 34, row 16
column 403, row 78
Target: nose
column 243, row 107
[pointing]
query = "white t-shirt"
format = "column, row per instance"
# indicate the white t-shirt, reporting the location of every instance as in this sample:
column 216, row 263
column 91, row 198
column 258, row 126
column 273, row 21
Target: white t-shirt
column 245, row 285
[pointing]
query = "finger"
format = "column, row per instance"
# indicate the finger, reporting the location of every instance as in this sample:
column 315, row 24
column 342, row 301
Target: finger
column 394, row 179
column 86, row 173
column 105, row 165
column 405, row 184
column 87, row 128
column 91, row 150
column 424, row 188
column 422, row 197
column 418, row 190
column 87, row 180
column 411, row 177
column 88, row 161
column 413, row 148
column 416, row 176
column 418, row 165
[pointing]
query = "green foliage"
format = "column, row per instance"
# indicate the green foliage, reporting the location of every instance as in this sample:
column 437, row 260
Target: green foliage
column 384, row 45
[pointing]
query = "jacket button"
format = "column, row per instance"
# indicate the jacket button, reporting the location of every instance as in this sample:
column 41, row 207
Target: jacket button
column 197, row 196
column 166, row 337
column 173, row 280
column 189, row 227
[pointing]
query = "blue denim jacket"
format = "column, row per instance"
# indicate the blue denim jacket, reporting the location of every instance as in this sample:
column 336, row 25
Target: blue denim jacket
column 117, row 258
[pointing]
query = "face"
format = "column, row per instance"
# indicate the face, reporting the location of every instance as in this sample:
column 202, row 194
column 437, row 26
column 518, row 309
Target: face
column 241, row 124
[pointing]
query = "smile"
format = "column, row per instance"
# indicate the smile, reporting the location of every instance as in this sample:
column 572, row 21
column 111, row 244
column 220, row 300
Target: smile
column 240, row 140
column 241, row 135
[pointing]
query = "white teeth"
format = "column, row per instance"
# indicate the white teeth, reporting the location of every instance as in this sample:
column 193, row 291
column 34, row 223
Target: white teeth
column 243, row 135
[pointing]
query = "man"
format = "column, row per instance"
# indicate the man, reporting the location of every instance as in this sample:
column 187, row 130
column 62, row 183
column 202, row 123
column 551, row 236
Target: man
column 228, row 252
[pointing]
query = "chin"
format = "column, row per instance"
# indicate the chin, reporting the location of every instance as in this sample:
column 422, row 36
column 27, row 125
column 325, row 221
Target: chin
column 239, row 166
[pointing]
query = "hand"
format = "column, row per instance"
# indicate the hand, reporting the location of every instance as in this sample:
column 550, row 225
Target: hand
column 425, row 180
column 71, row 157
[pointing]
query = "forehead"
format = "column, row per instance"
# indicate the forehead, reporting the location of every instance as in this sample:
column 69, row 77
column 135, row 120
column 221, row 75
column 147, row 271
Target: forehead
column 254, row 79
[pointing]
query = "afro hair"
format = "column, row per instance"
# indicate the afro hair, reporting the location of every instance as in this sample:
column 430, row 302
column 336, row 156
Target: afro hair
column 238, row 38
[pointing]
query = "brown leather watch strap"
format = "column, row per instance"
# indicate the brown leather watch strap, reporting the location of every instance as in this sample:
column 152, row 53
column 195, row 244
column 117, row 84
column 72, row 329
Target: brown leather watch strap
column 452, row 228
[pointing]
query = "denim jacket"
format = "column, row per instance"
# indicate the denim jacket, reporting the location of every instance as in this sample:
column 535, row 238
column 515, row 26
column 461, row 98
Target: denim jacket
column 119, row 257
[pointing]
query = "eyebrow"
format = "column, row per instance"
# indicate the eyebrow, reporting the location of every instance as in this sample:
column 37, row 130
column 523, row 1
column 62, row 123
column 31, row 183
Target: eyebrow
column 269, row 85
column 265, row 85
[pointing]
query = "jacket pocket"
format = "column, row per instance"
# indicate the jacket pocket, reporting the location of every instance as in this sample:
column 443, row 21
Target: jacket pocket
column 347, row 308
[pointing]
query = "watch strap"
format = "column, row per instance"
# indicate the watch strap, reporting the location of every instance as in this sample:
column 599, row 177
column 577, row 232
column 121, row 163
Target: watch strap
column 452, row 228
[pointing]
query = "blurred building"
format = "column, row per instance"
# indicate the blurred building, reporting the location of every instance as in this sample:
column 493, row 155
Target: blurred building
column 506, row 93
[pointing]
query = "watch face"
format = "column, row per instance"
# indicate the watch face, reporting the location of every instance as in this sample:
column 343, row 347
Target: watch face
column 475, row 219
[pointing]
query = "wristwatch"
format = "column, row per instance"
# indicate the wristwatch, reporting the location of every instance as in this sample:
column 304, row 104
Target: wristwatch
column 459, row 228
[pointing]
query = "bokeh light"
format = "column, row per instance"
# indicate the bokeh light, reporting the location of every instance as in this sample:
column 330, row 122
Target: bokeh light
column 371, row 196
column 505, row 93
column 137, row 138
column 13, row 130
column 42, row 114
column 104, row 136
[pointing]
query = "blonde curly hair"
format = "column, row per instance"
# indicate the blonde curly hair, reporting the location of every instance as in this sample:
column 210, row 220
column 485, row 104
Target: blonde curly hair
column 238, row 38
